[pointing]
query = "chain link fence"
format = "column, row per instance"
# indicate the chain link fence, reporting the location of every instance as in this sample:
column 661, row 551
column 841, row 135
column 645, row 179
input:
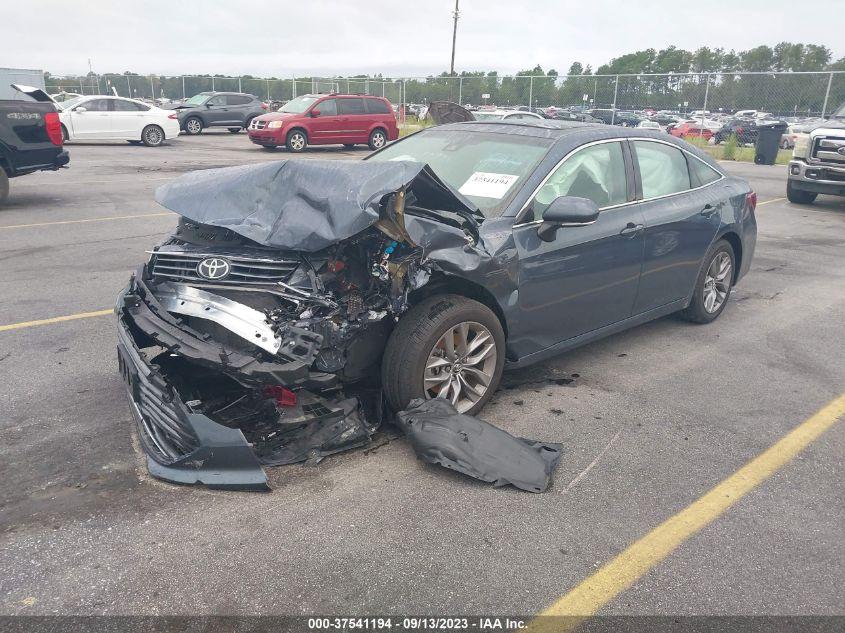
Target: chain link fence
column 807, row 94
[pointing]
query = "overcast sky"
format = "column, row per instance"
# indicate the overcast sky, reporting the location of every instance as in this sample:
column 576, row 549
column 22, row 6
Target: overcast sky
column 394, row 37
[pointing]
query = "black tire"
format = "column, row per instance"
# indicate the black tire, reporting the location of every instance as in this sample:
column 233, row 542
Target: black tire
column 235, row 130
column 796, row 196
column 65, row 136
column 193, row 125
column 696, row 312
column 152, row 136
column 296, row 141
column 4, row 186
column 378, row 139
column 416, row 334
column 248, row 122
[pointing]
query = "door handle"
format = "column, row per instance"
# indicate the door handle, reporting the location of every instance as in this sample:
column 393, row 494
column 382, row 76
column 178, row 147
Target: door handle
column 632, row 229
column 708, row 210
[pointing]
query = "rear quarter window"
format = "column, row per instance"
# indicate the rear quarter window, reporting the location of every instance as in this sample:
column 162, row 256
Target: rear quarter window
column 663, row 169
column 238, row 99
column 377, row 106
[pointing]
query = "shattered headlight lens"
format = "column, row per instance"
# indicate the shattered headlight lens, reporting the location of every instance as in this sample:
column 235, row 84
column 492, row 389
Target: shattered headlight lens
column 274, row 125
column 802, row 146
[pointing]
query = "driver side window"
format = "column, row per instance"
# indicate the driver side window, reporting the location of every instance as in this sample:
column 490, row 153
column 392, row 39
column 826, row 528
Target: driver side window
column 596, row 172
column 219, row 100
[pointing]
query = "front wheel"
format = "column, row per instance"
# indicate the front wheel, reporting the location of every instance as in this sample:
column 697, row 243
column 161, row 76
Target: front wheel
column 378, row 139
column 296, row 141
column 713, row 286
column 152, row 136
column 797, row 196
column 447, row 346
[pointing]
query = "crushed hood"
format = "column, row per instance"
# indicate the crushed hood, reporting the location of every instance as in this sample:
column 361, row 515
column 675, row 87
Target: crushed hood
column 305, row 205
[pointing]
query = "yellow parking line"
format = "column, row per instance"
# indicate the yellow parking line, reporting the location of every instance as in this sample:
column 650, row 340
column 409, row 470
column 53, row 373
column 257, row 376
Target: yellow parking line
column 69, row 317
column 113, row 217
column 623, row 571
column 760, row 204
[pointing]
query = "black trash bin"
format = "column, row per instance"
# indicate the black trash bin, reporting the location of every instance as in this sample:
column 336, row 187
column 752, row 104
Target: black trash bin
column 768, row 141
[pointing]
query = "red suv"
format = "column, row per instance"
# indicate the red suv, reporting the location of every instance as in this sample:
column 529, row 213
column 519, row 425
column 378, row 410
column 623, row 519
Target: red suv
column 326, row 120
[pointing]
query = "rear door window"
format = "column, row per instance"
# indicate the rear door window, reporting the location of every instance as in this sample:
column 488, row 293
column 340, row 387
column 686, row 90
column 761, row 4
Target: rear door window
column 351, row 106
column 121, row 105
column 327, row 107
column 377, row 106
column 237, row 99
column 663, row 169
column 97, row 105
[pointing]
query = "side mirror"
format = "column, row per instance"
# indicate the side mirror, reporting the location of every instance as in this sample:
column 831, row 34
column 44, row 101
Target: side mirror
column 566, row 211
column 80, row 109
column 315, row 113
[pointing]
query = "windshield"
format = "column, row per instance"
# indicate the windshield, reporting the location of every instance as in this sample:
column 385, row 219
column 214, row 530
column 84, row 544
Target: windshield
column 298, row 105
column 197, row 100
column 487, row 168
column 67, row 105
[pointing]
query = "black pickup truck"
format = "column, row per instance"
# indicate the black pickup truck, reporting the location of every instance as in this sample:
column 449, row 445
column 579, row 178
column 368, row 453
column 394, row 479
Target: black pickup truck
column 30, row 136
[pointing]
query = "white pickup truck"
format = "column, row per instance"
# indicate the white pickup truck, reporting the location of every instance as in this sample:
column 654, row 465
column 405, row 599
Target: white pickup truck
column 818, row 161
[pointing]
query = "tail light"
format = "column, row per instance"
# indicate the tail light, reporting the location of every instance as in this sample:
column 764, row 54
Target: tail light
column 53, row 127
column 284, row 397
column 751, row 201
column 173, row 116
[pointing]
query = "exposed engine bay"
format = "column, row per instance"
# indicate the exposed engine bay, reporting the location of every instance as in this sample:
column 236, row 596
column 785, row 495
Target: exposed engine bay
column 254, row 334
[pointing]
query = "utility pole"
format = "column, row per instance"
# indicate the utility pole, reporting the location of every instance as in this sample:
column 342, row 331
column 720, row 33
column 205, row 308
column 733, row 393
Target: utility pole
column 454, row 36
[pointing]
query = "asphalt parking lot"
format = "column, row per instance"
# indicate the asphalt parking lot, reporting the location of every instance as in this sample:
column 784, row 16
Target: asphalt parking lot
column 650, row 420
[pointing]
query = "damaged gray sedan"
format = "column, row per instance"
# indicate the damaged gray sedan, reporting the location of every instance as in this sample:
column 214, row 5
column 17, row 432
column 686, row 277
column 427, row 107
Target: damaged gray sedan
column 300, row 303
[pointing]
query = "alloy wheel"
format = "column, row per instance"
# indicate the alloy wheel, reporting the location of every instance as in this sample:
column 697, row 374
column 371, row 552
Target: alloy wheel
column 378, row 140
column 153, row 136
column 717, row 282
column 297, row 141
column 193, row 126
column 461, row 365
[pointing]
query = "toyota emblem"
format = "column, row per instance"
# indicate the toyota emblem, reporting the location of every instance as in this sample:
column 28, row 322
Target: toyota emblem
column 213, row 268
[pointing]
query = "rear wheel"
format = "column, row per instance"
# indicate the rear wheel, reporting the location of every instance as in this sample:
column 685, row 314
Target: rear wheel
column 152, row 136
column 378, row 139
column 713, row 286
column 447, row 346
column 235, row 130
column 4, row 185
column 193, row 125
column 296, row 141
column 797, row 196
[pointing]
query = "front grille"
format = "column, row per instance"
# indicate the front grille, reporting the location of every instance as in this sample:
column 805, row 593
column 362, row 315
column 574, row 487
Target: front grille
column 182, row 266
column 825, row 149
column 257, row 125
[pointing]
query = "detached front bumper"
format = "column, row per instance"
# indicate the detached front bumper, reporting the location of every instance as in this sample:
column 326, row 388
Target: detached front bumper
column 182, row 446
column 819, row 178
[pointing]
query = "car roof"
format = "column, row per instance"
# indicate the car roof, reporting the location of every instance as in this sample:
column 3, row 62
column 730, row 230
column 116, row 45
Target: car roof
column 544, row 128
column 337, row 94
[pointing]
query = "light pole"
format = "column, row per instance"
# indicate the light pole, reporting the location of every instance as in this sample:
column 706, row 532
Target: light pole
column 454, row 36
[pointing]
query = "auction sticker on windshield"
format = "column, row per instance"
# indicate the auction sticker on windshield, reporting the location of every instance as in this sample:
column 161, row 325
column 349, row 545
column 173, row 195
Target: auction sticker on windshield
column 483, row 184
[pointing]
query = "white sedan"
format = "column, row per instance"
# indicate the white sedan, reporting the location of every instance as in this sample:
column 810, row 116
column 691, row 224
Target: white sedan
column 104, row 118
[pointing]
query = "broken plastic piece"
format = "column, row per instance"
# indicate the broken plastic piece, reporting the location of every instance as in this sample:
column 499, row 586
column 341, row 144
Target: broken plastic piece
column 440, row 435
column 284, row 397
